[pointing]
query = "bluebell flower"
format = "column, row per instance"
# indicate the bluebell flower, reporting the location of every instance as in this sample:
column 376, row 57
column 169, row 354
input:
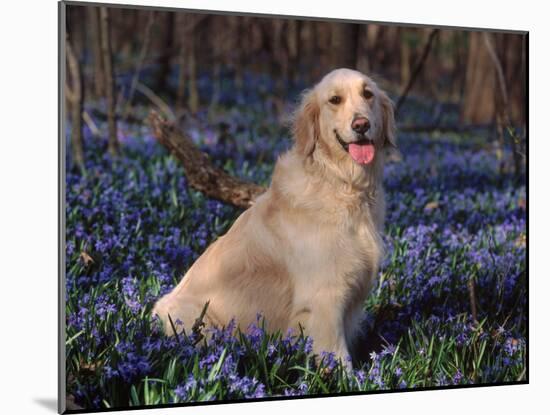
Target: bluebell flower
column 457, row 378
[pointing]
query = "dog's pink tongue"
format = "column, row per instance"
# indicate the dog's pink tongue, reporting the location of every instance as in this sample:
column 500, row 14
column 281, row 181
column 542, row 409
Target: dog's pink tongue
column 361, row 153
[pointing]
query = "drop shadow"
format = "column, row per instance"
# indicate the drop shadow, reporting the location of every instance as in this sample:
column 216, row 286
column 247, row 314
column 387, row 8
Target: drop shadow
column 48, row 403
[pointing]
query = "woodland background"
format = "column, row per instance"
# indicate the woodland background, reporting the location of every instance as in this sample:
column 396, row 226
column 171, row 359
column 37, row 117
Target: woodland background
column 482, row 74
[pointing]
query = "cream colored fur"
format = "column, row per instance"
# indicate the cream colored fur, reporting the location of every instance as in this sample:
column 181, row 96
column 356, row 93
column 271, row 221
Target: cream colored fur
column 308, row 250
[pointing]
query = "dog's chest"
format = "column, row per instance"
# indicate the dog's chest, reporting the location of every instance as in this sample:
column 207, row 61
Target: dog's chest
column 340, row 253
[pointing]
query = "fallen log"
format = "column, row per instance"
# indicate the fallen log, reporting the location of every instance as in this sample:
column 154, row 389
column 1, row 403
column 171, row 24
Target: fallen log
column 201, row 173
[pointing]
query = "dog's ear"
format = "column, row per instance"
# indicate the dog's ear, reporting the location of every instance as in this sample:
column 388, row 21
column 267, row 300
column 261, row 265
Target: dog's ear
column 305, row 126
column 388, row 127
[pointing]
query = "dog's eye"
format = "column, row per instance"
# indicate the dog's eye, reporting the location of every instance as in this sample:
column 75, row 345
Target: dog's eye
column 335, row 100
column 367, row 93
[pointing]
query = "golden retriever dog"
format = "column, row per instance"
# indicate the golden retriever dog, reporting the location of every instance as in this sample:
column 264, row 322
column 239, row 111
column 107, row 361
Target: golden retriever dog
column 308, row 250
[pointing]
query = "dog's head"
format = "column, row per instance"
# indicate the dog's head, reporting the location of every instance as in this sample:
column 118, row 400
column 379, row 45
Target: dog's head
column 346, row 120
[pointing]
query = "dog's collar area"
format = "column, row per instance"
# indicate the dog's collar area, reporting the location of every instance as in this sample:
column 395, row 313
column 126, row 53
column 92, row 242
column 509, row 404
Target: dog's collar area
column 345, row 145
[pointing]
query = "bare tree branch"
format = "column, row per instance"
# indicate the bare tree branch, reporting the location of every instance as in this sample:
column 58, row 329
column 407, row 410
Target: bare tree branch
column 90, row 123
column 503, row 117
column 143, row 53
column 201, row 173
column 417, row 69
column 155, row 99
column 498, row 67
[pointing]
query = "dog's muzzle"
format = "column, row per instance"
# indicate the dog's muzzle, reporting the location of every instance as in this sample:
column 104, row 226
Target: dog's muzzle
column 361, row 140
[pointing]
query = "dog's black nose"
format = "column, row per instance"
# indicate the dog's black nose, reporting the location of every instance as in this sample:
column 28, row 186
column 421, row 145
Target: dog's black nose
column 360, row 125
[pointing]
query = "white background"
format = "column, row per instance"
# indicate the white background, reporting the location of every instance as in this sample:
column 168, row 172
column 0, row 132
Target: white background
column 28, row 200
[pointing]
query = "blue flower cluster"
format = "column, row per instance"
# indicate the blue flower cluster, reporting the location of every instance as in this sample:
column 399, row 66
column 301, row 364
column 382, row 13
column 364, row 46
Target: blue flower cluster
column 456, row 234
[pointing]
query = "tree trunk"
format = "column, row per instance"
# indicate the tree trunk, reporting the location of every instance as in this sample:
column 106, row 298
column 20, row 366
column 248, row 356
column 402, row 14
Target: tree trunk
column 74, row 92
column 510, row 50
column 166, row 54
column 293, row 47
column 280, row 64
column 362, row 63
column 458, row 77
column 405, row 73
column 220, row 39
column 344, row 45
column 373, row 51
column 95, row 38
column 307, row 40
column 280, row 55
column 193, row 101
column 479, row 104
column 384, row 43
column 109, row 79
column 242, row 51
column 181, row 31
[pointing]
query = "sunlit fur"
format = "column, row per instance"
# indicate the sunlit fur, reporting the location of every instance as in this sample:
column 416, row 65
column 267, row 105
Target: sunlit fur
column 308, row 250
